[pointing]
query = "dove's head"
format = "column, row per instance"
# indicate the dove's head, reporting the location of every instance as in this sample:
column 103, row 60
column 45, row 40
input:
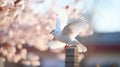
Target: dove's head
column 55, row 32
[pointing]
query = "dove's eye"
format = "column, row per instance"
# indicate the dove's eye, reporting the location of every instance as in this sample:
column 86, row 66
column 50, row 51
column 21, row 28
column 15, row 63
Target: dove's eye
column 53, row 30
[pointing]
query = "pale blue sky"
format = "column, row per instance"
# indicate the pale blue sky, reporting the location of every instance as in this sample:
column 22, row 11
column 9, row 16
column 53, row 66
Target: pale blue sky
column 105, row 19
column 59, row 3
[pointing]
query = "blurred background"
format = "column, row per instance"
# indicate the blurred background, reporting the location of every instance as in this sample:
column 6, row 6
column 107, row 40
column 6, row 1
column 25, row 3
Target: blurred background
column 25, row 26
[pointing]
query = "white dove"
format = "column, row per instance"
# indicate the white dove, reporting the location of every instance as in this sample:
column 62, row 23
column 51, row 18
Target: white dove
column 66, row 31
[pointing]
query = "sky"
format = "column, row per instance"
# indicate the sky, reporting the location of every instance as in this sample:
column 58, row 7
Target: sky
column 106, row 12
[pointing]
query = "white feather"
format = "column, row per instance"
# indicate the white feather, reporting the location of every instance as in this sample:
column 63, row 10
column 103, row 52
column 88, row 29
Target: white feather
column 62, row 19
column 55, row 44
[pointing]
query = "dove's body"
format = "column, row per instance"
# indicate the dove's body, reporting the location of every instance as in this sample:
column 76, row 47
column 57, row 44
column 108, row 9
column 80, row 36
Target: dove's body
column 60, row 41
column 58, row 35
column 64, row 38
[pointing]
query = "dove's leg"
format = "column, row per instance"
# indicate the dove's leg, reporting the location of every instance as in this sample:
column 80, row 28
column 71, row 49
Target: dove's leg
column 67, row 45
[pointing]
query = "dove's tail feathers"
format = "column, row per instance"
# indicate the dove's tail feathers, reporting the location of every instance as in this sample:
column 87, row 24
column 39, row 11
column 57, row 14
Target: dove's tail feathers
column 55, row 44
column 81, row 48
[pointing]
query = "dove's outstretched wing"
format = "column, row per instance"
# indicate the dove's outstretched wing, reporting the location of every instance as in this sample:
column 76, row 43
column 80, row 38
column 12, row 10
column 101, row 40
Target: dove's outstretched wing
column 87, row 31
column 55, row 44
column 62, row 19
column 74, row 27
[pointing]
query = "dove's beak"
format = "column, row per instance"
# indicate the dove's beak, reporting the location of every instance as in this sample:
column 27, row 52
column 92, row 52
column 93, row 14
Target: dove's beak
column 51, row 32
